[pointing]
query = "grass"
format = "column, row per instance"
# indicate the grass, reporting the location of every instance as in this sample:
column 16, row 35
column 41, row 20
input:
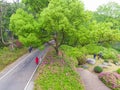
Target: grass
column 56, row 73
column 7, row 56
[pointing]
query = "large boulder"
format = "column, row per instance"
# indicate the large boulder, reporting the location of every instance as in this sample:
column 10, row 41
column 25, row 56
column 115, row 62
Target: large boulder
column 90, row 61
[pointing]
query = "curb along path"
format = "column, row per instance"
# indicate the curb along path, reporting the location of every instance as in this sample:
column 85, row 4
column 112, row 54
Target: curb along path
column 91, row 81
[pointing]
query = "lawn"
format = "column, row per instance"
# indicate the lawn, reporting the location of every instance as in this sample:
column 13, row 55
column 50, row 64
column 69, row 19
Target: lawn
column 57, row 73
column 7, row 56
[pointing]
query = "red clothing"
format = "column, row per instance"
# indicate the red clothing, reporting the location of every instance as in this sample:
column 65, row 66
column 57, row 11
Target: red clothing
column 36, row 60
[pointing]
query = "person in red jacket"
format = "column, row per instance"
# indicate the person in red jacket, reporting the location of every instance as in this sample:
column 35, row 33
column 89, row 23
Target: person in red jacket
column 37, row 60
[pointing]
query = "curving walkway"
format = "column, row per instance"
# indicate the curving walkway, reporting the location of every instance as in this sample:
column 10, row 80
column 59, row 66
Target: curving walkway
column 91, row 81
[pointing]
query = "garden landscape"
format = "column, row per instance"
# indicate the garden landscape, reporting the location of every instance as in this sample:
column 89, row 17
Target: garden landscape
column 76, row 48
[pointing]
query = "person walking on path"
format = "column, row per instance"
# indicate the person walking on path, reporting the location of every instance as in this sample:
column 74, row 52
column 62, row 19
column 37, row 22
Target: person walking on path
column 37, row 60
column 30, row 49
column 94, row 56
column 100, row 55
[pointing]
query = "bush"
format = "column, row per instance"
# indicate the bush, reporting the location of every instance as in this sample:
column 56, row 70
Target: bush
column 81, row 60
column 109, row 53
column 72, row 52
column 118, row 71
column 98, row 69
column 106, row 60
column 112, row 80
column 92, row 48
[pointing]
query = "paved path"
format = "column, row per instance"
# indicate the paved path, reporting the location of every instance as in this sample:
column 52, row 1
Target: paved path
column 17, row 76
column 91, row 81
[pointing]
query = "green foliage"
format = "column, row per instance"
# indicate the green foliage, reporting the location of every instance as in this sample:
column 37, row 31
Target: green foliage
column 24, row 25
column 108, row 13
column 60, row 21
column 110, row 9
column 97, row 33
column 81, row 60
column 57, row 74
column 72, row 52
column 92, row 49
column 98, row 69
column 116, row 45
column 30, row 40
column 7, row 56
column 118, row 71
column 7, row 10
column 36, row 5
column 54, row 81
column 109, row 53
column 106, row 60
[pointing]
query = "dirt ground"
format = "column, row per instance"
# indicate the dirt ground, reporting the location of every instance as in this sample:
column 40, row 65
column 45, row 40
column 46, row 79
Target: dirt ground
column 110, row 68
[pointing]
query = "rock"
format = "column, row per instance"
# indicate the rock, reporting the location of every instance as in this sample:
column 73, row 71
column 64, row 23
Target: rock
column 103, row 66
column 90, row 61
column 105, row 63
column 117, row 64
column 85, row 66
column 109, row 64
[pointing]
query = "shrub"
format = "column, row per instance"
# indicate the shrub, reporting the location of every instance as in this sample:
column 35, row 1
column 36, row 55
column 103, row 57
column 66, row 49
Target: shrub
column 92, row 48
column 72, row 52
column 81, row 60
column 109, row 53
column 98, row 69
column 106, row 60
column 112, row 80
column 118, row 71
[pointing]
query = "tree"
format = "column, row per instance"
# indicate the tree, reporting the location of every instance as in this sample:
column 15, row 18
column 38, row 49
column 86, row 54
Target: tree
column 25, row 27
column 63, row 21
column 102, row 33
column 109, row 13
column 36, row 5
column 60, row 22
column 7, row 9
column 110, row 9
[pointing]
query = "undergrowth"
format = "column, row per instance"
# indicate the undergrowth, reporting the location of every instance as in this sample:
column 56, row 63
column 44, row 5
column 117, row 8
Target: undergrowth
column 7, row 56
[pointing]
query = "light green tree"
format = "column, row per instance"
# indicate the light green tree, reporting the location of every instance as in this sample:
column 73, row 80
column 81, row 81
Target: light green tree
column 60, row 22
column 25, row 27
column 109, row 12
column 36, row 6
column 63, row 21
